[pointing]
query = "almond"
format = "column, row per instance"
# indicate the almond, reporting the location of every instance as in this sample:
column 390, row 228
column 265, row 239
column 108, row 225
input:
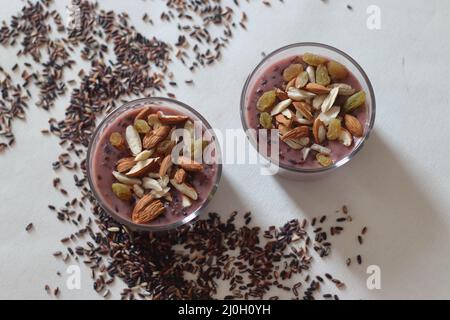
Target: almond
column 311, row 74
column 345, row 137
column 280, row 107
column 331, row 114
column 143, row 113
column 319, row 131
column 353, row 125
column 317, row 88
column 301, row 80
column 299, row 132
column 165, row 165
column 180, row 176
column 305, row 109
column 189, row 165
column 154, row 137
column 143, row 167
column 330, row 99
column 185, row 189
column 144, row 155
column 171, row 119
column 125, row 164
column 150, row 183
column 133, row 140
column 124, row 179
column 290, row 84
column 299, row 95
column 282, row 95
column 283, row 120
column 147, row 209
column 305, row 153
column 321, row 149
column 185, row 201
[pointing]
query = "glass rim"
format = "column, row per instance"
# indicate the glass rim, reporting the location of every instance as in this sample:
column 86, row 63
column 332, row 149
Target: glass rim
column 144, row 227
column 372, row 113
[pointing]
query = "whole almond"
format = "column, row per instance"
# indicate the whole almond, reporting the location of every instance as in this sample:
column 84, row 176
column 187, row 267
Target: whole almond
column 171, row 119
column 299, row 132
column 147, row 209
column 125, row 164
column 154, row 137
column 165, row 165
column 353, row 125
column 180, row 176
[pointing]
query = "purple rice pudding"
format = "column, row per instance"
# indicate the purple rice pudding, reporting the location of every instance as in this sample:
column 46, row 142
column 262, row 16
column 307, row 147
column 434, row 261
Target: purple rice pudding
column 316, row 104
column 139, row 178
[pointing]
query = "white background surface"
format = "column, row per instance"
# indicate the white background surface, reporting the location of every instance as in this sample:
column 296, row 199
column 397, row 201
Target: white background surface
column 398, row 185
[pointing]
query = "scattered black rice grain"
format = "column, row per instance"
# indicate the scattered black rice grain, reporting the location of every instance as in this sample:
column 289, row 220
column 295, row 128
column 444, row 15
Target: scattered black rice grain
column 29, row 227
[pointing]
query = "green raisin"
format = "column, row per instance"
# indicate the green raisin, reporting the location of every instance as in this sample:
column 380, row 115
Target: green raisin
column 122, row 191
column 292, row 72
column 313, row 59
column 267, row 100
column 116, row 140
column 324, row 160
column 355, row 101
column 141, row 126
column 265, row 120
column 334, row 129
column 322, row 76
column 336, row 70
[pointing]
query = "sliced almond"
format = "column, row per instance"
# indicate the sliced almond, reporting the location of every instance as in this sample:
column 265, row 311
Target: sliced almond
column 344, row 89
column 283, row 129
column 185, row 189
column 299, row 95
column 280, row 107
column 299, row 132
column 185, row 201
column 330, row 99
column 124, row 179
column 159, row 194
column 318, row 101
column 138, row 191
column 189, row 165
column 321, row 149
column 294, row 145
column 311, row 74
column 288, row 114
column 133, row 140
column 125, row 164
column 300, row 119
column 153, row 175
column 290, row 84
column 305, row 153
column 317, row 88
column 143, row 167
column 319, row 131
column 180, row 176
column 154, row 137
column 280, row 118
column 331, row 114
column 345, row 137
column 353, row 125
column 282, row 95
column 305, row 109
column 171, row 119
column 153, row 184
column 144, row 155
column 165, row 165
column 301, row 80
column 147, row 209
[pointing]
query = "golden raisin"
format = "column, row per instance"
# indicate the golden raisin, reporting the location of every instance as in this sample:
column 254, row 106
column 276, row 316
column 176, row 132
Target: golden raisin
column 122, row 191
column 292, row 72
column 334, row 129
column 141, row 126
column 267, row 100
